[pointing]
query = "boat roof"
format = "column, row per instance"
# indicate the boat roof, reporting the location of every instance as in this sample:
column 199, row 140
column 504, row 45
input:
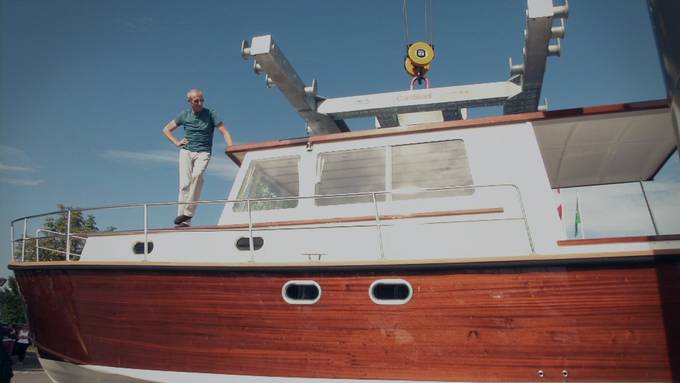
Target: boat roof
column 580, row 147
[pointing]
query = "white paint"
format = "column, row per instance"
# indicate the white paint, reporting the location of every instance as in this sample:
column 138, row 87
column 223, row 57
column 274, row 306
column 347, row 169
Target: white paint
column 62, row 372
column 507, row 154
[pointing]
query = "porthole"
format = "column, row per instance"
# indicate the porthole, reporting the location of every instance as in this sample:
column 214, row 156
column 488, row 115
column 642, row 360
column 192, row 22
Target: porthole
column 243, row 243
column 390, row 292
column 138, row 247
column 301, row 292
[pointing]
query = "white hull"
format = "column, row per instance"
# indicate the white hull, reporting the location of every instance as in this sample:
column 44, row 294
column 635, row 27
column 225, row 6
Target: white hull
column 62, row 372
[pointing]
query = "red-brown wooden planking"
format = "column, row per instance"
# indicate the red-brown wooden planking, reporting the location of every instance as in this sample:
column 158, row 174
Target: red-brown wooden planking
column 598, row 321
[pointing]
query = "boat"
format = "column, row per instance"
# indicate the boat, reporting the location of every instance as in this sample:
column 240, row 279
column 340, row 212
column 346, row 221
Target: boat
column 428, row 249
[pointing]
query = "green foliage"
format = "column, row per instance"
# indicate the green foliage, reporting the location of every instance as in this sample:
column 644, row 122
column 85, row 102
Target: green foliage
column 51, row 245
column 11, row 306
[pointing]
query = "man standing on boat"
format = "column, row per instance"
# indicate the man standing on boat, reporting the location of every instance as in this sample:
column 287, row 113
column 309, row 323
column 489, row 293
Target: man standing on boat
column 195, row 149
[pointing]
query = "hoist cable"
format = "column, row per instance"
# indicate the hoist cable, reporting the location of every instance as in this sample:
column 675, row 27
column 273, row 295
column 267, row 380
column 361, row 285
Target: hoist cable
column 404, row 10
column 428, row 19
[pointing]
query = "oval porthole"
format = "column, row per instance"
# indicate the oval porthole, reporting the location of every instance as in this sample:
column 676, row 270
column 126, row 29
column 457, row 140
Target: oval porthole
column 390, row 292
column 301, row 292
column 138, row 247
column 244, row 244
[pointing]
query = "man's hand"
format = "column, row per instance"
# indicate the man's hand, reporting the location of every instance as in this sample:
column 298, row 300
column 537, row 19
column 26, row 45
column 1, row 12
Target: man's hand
column 167, row 131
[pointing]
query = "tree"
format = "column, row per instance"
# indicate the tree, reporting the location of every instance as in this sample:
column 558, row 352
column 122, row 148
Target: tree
column 11, row 306
column 51, row 245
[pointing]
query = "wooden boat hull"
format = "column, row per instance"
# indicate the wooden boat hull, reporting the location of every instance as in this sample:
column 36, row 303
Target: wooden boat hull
column 595, row 320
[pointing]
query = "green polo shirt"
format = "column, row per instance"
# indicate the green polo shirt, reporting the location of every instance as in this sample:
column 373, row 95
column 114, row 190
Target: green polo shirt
column 198, row 129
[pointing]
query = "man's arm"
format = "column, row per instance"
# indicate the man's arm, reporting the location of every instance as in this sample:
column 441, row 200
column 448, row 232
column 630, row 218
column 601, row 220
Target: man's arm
column 172, row 125
column 225, row 133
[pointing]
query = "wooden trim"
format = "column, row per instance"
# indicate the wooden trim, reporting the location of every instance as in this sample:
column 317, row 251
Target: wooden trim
column 238, row 160
column 601, row 241
column 605, row 109
column 235, row 152
column 525, row 260
column 301, row 222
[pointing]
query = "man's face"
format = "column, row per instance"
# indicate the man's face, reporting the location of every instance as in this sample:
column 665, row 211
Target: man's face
column 196, row 102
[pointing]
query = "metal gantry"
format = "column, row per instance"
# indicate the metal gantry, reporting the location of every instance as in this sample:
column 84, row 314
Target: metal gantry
column 327, row 115
column 538, row 33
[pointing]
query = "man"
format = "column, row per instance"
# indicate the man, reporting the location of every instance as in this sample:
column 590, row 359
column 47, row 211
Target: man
column 195, row 149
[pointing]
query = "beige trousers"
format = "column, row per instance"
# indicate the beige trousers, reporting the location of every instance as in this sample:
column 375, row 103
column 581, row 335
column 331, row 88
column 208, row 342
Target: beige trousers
column 192, row 165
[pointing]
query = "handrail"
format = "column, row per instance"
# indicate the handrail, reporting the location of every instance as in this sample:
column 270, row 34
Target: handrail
column 38, row 238
column 249, row 203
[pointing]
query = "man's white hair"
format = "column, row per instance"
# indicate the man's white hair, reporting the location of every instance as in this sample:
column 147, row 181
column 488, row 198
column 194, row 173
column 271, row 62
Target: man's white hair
column 193, row 91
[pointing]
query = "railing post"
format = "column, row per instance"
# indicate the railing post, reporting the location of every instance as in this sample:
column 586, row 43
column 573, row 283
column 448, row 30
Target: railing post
column 23, row 240
column 649, row 209
column 11, row 242
column 377, row 226
column 68, row 235
column 146, row 231
column 37, row 246
column 250, row 232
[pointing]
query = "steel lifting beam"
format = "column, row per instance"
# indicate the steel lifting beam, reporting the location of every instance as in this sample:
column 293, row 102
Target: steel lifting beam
column 451, row 99
column 537, row 47
column 278, row 72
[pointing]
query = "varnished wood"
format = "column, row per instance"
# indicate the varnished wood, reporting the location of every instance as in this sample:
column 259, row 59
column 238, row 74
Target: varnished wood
column 237, row 152
column 599, row 322
column 600, row 241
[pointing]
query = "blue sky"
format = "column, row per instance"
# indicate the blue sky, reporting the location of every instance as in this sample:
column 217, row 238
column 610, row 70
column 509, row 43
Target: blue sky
column 86, row 86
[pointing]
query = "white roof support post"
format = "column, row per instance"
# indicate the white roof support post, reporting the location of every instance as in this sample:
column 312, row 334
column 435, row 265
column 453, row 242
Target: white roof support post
column 537, row 47
column 270, row 60
column 665, row 25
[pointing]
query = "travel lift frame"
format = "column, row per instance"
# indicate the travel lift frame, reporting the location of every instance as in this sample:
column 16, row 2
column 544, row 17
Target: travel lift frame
column 326, row 115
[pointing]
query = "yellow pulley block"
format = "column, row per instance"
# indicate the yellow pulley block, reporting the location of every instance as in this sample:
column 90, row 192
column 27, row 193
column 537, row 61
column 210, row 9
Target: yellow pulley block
column 415, row 71
column 421, row 53
column 419, row 57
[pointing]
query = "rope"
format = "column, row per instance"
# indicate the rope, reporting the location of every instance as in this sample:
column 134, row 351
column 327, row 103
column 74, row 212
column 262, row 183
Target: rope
column 404, row 10
column 428, row 19
column 420, row 79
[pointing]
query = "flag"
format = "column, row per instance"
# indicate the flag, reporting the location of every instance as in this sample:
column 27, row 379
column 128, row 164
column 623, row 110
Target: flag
column 560, row 203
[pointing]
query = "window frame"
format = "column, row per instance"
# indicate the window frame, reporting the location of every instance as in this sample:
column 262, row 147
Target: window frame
column 300, row 282
column 247, row 176
column 388, row 189
column 390, row 302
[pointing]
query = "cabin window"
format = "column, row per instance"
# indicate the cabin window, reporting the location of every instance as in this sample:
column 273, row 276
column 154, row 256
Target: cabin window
column 430, row 165
column 270, row 178
column 243, row 243
column 390, row 292
column 301, row 292
column 411, row 167
column 138, row 247
column 350, row 171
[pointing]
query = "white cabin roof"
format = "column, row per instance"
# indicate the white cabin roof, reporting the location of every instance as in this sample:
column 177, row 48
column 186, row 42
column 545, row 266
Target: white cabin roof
column 605, row 148
column 580, row 147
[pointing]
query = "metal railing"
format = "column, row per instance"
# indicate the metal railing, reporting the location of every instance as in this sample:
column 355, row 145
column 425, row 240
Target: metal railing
column 56, row 234
column 68, row 235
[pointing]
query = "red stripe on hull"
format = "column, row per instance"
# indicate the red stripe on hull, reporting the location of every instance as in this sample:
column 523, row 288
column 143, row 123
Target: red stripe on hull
column 598, row 322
